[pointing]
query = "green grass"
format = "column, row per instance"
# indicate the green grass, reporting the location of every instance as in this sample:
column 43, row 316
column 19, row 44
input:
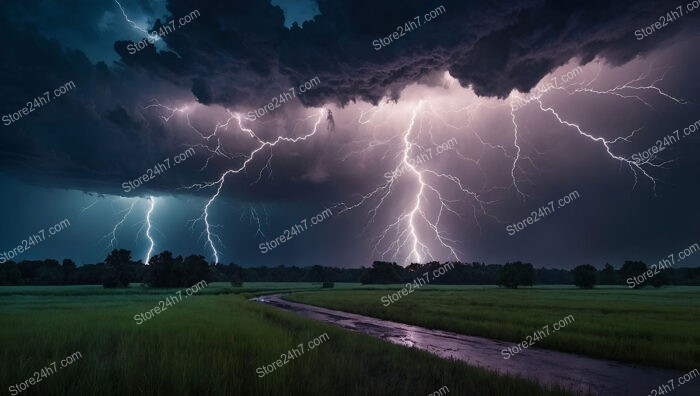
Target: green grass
column 657, row 327
column 209, row 344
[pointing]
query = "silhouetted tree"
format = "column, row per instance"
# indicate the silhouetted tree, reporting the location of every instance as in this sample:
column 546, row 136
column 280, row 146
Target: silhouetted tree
column 168, row 271
column 117, row 269
column 50, row 273
column 68, row 267
column 585, row 276
column 162, row 271
column 382, row 272
column 659, row 279
column 196, row 269
column 10, row 274
column 632, row 269
column 516, row 274
column 608, row 276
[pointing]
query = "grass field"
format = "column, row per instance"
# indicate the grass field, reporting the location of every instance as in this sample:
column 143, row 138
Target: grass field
column 657, row 327
column 209, row 344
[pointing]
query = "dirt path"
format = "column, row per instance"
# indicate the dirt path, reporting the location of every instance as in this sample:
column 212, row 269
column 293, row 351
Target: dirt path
column 548, row 367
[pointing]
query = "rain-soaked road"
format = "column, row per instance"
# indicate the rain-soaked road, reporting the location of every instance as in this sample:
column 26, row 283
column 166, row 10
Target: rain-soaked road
column 576, row 372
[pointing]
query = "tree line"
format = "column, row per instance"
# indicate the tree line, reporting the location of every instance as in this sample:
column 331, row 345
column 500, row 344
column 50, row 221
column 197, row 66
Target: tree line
column 166, row 270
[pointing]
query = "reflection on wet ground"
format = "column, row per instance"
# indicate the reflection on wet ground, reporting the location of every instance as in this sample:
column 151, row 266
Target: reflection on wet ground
column 579, row 373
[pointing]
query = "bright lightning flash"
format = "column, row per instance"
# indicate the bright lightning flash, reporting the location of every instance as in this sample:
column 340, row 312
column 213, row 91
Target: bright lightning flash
column 260, row 148
column 151, row 207
column 418, row 232
column 409, row 235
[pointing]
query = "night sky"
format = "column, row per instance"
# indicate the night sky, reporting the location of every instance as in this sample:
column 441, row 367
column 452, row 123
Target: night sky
column 420, row 148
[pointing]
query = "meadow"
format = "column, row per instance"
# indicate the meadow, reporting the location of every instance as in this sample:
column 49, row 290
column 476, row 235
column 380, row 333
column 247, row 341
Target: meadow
column 211, row 343
column 654, row 327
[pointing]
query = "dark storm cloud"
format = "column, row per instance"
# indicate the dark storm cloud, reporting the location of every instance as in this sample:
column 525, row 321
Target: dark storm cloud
column 239, row 54
column 237, row 51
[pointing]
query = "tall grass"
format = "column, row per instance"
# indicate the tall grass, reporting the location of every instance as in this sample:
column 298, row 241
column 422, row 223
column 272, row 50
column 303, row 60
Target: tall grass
column 212, row 345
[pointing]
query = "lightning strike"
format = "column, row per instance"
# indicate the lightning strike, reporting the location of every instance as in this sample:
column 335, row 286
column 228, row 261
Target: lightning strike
column 406, row 232
column 419, row 226
column 152, row 206
column 627, row 90
column 260, row 146
column 113, row 241
column 134, row 24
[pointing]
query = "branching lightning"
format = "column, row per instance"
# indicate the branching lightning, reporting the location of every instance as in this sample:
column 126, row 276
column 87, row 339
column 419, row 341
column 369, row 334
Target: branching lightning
column 409, row 229
column 622, row 91
column 113, row 244
column 146, row 226
column 417, row 232
column 219, row 183
column 260, row 147
column 409, row 235
column 255, row 218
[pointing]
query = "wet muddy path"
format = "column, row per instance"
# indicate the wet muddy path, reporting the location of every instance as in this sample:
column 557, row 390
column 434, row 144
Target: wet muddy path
column 548, row 367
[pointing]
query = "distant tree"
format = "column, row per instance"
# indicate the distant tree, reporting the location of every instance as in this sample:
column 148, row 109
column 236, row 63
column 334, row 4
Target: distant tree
column 162, row 271
column 196, row 269
column 585, row 276
column 117, row 269
column 327, row 285
column 632, row 269
column 88, row 274
column 68, row 267
column 608, row 276
column 516, row 274
column 382, row 272
column 50, row 273
column 315, row 274
column 658, row 280
column 10, row 274
column 168, row 271
column 30, row 271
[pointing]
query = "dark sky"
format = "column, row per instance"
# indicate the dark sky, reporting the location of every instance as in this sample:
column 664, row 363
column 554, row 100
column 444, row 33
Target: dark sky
column 379, row 166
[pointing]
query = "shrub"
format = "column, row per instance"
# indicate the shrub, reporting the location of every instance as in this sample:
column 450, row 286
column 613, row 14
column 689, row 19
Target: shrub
column 585, row 276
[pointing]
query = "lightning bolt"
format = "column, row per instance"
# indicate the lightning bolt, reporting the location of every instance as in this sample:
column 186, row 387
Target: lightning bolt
column 418, row 231
column 404, row 233
column 152, row 206
column 83, row 210
column 628, row 90
column 410, row 233
column 254, row 217
column 219, row 183
column 134, row 24
column 113, row 240
column 260, row 147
